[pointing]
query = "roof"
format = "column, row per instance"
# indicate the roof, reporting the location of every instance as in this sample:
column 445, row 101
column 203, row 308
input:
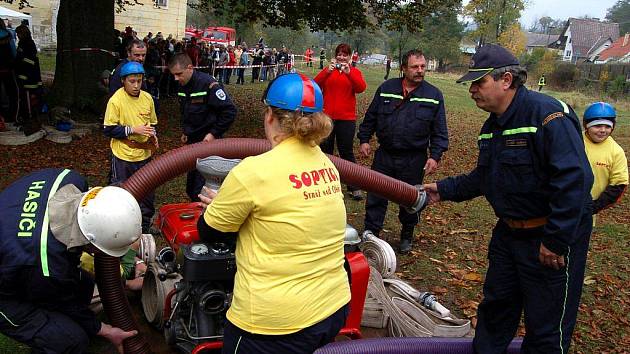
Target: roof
column 617, row 49
column 8, row 13
column 540, row 39
column 587, row 33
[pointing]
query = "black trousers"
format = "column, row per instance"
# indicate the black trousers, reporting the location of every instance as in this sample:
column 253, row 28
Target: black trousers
column 240, row 73
column 255, row 72
column 227, row 73
column 45, row 331
column 306, row 341
column 405, row 166
column 517, row 282
column 194, row 179
column 120, row 171
column 9, row 85
column 342, row 133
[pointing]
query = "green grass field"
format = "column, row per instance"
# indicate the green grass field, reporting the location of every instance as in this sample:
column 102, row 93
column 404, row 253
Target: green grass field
column 449, row 257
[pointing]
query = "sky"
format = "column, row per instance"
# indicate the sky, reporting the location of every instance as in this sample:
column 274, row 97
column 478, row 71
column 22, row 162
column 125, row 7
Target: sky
column 563, row 9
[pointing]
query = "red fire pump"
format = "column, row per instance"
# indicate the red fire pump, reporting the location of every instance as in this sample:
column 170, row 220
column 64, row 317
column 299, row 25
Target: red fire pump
column 197, row 280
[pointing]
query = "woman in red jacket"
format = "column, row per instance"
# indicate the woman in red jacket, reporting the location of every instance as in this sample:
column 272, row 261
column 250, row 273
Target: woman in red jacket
column 340, row 83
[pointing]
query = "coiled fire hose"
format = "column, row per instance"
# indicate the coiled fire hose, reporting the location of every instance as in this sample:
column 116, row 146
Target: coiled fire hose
column 378, row 253
column 409, row 318
column 410, row 314
column 181, row 160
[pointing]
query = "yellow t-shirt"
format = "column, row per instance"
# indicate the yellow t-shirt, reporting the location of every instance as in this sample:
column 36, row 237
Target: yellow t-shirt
column 608, row 162
column 126, row 110
column 287, row 206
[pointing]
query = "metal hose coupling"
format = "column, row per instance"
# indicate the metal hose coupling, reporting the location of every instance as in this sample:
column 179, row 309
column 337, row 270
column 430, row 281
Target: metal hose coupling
column 421, row 201
column 429, row 301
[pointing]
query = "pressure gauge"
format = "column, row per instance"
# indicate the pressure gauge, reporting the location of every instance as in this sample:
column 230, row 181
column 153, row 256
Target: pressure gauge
column 199, row 249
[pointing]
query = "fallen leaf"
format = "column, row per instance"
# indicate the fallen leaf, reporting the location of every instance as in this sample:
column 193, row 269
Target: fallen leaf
column 473, row 276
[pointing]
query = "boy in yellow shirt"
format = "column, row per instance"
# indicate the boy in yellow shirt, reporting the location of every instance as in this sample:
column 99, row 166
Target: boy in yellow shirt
column 130, row 122
column 607, row 159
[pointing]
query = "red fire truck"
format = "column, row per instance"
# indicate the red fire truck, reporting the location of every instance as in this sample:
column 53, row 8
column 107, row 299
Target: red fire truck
column 214, row 35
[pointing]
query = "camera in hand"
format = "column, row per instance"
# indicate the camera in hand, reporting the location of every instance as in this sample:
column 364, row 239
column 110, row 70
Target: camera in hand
column 338, row 66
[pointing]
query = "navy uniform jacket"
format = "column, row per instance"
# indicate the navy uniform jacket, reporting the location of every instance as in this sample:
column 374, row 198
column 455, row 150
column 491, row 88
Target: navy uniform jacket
column 27, row 65
column 531, row 164
column 114, row 80
column 416, row 122
column 205, row 107
column 34, row 266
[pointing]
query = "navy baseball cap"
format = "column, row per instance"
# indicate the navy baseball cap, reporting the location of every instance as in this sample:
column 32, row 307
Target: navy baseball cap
column 487, row 58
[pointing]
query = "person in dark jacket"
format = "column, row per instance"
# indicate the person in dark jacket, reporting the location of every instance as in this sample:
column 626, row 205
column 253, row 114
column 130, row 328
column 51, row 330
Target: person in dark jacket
column 136, row 51
column 7, row 73
column 29, row 80
column 533, row 170
column 207, row 111
column 408, row 116
column 49, row 218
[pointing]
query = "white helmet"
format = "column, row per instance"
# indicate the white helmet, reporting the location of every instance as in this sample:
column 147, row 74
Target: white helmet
column 110, row 218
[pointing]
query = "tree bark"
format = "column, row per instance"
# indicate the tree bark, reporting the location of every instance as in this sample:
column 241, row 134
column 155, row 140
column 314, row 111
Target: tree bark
column 82, row 24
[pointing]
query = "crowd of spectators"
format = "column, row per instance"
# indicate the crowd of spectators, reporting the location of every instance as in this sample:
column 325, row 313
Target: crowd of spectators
column 219, row 60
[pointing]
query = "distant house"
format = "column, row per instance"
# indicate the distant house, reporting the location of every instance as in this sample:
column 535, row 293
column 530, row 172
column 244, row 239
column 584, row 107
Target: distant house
column 166, row 16
column 539, row 40
column 467, row 50
column 619, row 51
column 44, row 20
column 582, row 39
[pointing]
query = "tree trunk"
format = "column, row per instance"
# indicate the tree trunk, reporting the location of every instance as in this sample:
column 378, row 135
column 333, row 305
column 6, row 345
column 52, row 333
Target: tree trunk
column 82, row 24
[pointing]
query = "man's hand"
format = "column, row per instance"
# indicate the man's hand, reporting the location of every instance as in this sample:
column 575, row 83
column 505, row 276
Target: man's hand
column 432, row 192
column 430, row 166
column 145, row 130
column 550, row 259
column 183, row 139
column 365, row 149
column 208, row 138
column 115, row 335
column 206, row 196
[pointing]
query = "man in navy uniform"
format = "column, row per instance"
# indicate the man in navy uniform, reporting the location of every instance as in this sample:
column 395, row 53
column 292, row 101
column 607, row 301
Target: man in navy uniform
column 48, row 218
column 408, row 116
column 533, row 170
column 207, row 111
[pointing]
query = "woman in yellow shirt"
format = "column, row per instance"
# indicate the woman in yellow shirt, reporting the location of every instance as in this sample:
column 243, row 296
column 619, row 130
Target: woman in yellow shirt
column 290, row 290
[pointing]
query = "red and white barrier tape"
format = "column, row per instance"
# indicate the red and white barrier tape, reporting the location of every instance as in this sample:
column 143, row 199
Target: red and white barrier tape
column 226, row 66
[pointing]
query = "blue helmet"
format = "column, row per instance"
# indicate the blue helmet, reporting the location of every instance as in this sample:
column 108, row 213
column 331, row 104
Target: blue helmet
column 599, row 113
column 294, row 92
column 131, row 68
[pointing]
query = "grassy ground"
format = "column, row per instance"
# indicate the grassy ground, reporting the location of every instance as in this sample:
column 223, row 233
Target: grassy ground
column 451, row 242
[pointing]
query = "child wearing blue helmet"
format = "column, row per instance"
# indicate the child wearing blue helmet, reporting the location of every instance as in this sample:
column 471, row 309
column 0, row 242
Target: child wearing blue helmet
column 291, row 292
column 607, row 159
column 130, row 122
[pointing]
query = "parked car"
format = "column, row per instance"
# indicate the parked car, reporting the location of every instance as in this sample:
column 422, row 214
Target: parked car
column 374, row 59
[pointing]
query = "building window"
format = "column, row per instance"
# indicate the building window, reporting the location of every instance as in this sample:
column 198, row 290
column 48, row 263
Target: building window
column 567, row 54
column 161, row 3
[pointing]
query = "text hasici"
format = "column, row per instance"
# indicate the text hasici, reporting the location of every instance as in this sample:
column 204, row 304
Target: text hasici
column 27, row 222
column 315, row 178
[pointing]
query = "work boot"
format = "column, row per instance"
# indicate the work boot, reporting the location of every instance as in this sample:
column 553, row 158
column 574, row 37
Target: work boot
column 406, row 239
